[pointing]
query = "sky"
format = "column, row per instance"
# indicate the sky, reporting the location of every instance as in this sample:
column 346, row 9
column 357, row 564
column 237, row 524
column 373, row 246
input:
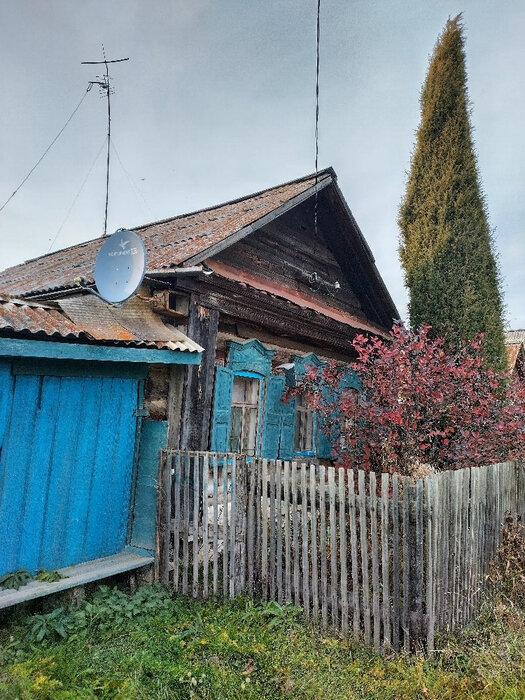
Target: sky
column 218, row 101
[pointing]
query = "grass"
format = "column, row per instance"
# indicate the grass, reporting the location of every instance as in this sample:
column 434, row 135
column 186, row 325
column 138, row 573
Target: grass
column 150, row 645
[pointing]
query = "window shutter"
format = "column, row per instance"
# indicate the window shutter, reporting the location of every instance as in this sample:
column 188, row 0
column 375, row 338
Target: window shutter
column 222, row 408
column 286, row 444
column 272, row 417
column 324, row 442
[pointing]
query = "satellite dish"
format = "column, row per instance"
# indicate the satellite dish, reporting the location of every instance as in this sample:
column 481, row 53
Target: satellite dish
column 120, row 266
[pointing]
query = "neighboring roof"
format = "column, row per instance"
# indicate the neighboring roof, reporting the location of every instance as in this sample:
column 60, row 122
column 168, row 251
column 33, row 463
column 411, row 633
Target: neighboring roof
column 170, row 242
column 88, row 319
column 517, row 336
column 515, row 349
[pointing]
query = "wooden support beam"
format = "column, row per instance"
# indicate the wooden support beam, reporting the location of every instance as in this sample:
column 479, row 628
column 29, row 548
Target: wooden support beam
column 203, row 324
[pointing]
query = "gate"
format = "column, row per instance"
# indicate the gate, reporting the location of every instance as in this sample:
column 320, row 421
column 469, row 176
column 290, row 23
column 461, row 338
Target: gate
column 67, row 445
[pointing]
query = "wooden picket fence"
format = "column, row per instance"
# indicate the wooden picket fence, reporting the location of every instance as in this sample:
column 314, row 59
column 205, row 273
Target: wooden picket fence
column 389, row 561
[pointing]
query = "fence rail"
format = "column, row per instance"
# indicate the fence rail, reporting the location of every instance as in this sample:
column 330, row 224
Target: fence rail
column 390, row 562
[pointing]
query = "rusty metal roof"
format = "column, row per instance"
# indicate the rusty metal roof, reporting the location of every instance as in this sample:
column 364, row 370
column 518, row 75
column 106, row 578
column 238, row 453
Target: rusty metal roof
column 133, row 322
column 517, row 336
column 88, row 318
column 169, row 243
column 27, row 317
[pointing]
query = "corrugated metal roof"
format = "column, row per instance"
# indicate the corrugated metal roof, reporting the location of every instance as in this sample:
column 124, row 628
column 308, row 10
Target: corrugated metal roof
column 168, row 243
column 134, row 321
column 89, row 318
column 517, row 336
column 23, row 317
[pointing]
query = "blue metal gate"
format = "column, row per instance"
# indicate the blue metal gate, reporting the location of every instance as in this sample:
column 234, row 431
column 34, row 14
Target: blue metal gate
column 67, row 448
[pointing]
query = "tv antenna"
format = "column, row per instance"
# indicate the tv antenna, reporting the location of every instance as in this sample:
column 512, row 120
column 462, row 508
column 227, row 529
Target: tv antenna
column 103, row 81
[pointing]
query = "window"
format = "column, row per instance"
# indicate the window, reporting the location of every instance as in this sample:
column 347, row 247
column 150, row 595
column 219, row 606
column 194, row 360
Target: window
column 244, row 417
column 304, row 427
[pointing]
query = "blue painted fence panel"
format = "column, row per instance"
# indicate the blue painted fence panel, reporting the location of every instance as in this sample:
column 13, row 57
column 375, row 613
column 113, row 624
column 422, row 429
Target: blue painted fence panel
column 67, row 446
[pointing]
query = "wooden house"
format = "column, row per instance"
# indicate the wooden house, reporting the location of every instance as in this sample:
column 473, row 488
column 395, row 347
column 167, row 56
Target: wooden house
column 515, row 350
column 78, row 459
column 266, row 284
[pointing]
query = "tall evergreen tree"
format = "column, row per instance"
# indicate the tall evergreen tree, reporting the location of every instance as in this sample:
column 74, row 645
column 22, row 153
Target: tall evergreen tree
column 446, row 243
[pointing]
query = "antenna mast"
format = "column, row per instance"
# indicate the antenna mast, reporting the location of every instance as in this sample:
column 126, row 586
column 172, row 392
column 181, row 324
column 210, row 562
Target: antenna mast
column 103, row 81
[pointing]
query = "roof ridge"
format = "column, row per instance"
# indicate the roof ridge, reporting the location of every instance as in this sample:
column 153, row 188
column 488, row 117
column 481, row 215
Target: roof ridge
column 326, row 172
column 320, row 174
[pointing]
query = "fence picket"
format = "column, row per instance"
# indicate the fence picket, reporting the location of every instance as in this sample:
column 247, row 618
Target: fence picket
column 406, row 563
column 225, row 529
column 364, row 557
column 205, row 537
column 356, row 616
column 295, row 537
column 195, row 497
column 322, row 546
column 385, row 561
column 186, row 523
column 279, row 526
column 418, row 583
column 343, row 586
column 177, row 482
column 287, row 544
column 264, row 528
column 412, row 561
column 273, row 538
column 375, row 560
column 333, row 550
column 304, row 536
column 250, row 534
column 430, row 505
column 313, row 528
column 396, row 569
column 465, row 541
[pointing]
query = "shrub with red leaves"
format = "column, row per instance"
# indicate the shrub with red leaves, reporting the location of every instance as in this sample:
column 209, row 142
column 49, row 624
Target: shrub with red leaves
column 420, row 404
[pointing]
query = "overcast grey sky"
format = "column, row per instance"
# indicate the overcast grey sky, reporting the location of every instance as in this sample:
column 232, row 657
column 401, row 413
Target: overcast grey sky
column 217, row 101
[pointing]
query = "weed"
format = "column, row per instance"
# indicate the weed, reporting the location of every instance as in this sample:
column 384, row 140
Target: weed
column 48, row 626
column 15, row 579
column 149, row 645
column 49, row 576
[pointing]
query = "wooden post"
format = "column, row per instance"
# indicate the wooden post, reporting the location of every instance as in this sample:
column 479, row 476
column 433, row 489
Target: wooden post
column 175, row 392
column 240, row 488
column 163, row 520
column 196, row 410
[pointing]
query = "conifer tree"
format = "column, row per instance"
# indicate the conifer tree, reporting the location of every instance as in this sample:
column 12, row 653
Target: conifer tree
column 446, row 243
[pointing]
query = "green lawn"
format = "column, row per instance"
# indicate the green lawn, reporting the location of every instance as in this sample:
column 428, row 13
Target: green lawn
column 150, row 645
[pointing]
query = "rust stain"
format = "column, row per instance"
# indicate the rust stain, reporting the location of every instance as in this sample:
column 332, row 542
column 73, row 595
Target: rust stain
column 168, row 243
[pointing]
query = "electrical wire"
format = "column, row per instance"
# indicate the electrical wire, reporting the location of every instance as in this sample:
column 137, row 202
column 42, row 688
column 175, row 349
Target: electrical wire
column 77, row 196
column 131, row 181
column 47, row 150
column 318, row 37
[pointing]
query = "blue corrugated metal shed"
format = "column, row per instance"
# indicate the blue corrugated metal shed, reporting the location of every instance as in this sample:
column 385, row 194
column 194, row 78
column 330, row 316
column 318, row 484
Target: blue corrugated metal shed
column 69, row 428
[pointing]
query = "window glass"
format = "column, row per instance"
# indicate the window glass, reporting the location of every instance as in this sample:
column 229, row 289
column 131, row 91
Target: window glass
column 245, row 408
column 304, row 426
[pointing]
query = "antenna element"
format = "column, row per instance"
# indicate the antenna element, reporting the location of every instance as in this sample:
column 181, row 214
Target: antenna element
column 103, row 81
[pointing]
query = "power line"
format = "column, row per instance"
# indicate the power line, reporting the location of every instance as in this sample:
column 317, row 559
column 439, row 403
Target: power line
column 77, row 196
column 318, row 37
column 130, row 179
column 47, row 149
